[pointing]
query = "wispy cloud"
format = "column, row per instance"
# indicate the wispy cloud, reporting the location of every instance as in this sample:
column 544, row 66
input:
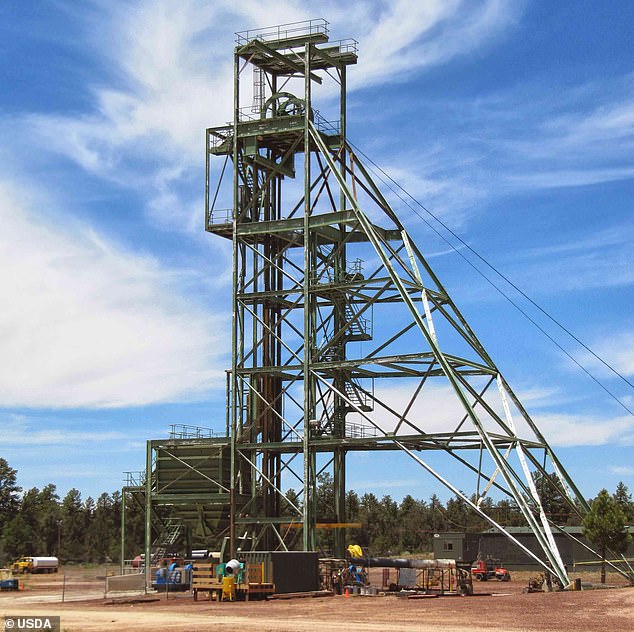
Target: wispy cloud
column 438, row 410
column 517, row 140
column 597, row 260
column 607, row 121
column 624, row 470
column 18, row 431
column 582, row 138
column 568, row 430
column 171, row 77
column 86, row 323
column 618, row 348
column 400, row 38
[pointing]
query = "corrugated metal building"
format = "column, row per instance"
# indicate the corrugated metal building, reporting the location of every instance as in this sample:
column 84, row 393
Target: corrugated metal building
column 466, row 547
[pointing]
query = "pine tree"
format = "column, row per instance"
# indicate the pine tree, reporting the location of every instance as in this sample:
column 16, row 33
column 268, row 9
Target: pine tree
column 623, row 498
column 414, row 523
column 604, row 526
column 49, row 519
column 73, row 527
column 9, row 493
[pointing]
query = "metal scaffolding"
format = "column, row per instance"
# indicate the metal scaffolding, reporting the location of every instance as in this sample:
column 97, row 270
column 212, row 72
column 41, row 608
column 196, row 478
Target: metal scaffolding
column 329, row 356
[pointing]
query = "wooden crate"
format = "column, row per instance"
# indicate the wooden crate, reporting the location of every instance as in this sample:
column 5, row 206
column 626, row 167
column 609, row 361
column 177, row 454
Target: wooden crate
column 204, row 580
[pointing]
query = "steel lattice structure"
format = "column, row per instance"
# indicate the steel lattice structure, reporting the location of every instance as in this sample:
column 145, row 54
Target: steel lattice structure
column 330, row 357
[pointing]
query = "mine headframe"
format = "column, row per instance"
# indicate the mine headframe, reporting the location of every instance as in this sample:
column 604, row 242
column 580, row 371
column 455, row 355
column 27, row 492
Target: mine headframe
column 343, row 337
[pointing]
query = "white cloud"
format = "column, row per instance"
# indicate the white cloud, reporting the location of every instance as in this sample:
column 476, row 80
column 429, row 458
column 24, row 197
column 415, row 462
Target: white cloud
column 606, row 122
column 539, row 395
column 513, row 141
column 561, row 178
column 585, row 140
column 584, row 430
column 437, row 410
column 453, row 196
column 598, row 260
column 399, row 38
column 86, row 323
column 617, row 349
column 18, row 431
column 624, row 470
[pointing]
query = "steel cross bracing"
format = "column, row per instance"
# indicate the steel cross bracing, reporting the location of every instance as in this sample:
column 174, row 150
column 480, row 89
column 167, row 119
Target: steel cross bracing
column 329, row 356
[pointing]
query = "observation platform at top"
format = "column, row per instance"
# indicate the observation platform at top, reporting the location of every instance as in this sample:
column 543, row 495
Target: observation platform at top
column 280, row 52
column 273, row 49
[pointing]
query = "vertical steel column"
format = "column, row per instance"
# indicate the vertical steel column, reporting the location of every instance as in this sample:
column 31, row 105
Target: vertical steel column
column 339, row 455
column 309, row 469
column 207, row 164
column 234, row 322
column 148, row 515
column 122, row 528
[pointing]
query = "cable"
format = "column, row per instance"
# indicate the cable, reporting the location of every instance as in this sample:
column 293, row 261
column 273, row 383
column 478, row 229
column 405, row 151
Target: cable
column 504, row 277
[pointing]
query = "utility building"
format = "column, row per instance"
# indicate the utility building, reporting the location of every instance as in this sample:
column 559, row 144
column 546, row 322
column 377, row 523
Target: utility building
column 467, row 547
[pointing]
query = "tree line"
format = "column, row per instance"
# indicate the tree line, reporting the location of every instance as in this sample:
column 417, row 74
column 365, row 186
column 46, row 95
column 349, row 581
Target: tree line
column 39, row 522
column 391, row 527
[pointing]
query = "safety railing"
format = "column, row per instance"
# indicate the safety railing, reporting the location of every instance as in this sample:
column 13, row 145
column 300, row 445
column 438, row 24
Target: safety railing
column 183, row 431
column 134, row 479
column 291, row 30
column 218, row 136
column 360, row 431
column 216, row 217
column 346, row 45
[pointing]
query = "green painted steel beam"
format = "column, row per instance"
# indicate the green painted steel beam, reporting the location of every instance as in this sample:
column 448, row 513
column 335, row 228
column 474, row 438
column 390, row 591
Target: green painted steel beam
column 188, row 498
column 435, row 441
column 264, row 520
column 293, row 66
column 293, row 41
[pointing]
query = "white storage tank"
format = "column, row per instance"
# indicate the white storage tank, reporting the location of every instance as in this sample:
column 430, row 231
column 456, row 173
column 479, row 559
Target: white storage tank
column 44, row 564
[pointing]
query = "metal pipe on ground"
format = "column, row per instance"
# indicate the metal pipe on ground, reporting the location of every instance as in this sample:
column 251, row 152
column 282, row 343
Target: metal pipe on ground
column 389, row 562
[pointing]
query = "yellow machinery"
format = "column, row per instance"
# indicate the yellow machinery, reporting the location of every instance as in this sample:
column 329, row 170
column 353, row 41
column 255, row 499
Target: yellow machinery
column 247, row 582
column 228, row 588
column 7, row 581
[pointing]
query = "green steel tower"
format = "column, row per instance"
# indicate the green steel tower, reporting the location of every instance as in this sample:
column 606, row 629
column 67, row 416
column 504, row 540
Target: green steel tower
column 343, row 337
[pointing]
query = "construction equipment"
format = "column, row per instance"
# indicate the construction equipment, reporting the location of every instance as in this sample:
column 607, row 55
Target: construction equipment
column 429, row 577
column 171, row 579
column 7, row 581
column 482, row 570
column 30, row 564
column 228, row 588
column 247, row 580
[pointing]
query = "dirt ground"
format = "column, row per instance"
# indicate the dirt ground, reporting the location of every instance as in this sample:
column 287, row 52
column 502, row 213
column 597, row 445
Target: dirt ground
column 496, row 606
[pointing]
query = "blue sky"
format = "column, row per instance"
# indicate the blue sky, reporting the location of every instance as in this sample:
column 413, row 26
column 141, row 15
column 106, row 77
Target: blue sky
column 513, row 121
